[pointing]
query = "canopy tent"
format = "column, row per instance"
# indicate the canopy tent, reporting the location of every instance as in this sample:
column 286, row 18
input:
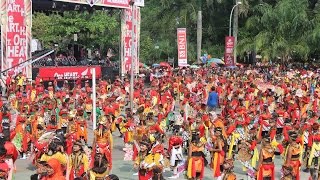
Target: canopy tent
column 165, row 64
column 215, row 60
column 57, row 6
column 155, row 65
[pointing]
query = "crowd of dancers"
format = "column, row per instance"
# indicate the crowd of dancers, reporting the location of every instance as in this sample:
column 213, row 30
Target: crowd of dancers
column 182, row 122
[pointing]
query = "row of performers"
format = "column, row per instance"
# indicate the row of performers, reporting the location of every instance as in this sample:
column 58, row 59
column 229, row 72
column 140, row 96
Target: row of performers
column 35, row 135
column 295, row 149
column 82, row 162
column 152, row 159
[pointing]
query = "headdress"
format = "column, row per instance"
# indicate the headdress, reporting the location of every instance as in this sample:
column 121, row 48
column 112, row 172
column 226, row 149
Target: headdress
column 218, row 129
column 73, row 113
column 293, row 135
column 79, row 143
column 103, row 120
column 267, row 138
column 145, row 141
column 315, row 126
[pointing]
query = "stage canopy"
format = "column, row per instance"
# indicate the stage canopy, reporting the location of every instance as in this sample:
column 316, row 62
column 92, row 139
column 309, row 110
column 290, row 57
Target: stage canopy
column 50, row 5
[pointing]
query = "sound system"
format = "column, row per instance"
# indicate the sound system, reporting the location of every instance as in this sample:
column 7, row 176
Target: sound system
column 35, row 72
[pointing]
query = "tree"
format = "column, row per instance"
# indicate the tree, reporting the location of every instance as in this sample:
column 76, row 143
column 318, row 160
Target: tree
column 97, row 29
column 278, row 31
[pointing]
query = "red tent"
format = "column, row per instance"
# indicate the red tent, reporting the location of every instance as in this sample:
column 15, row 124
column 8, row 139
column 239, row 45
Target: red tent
column 165, row 64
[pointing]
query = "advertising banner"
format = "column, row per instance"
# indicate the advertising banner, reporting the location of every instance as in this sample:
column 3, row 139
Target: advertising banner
column 182, row 47
column 228, row 54
column 105, row 3
column 16, row 35
column 68, row 72
column 126, row 40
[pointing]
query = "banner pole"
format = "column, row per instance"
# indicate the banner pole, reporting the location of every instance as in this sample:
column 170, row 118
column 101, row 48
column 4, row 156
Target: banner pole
column 94, row 106
column 132, row 57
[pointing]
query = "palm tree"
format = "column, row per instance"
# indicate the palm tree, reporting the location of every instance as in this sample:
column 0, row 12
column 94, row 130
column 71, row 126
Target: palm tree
column 278, row 31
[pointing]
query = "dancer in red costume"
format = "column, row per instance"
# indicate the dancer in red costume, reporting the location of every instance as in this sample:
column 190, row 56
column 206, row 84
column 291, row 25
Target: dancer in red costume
column 266, row 164
column 103, row 142
column 293, row 155
column 78, row 162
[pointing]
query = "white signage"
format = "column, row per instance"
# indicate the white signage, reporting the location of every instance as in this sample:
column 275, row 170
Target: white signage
column 139, row 3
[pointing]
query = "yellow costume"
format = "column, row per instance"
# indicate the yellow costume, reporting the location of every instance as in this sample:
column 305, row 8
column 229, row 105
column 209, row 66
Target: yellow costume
column 196, row 161
column 62, row 158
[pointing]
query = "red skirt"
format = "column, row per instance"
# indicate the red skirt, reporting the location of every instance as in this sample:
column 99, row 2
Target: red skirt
column 78, row 173
column 148, row 175
column 296, row 168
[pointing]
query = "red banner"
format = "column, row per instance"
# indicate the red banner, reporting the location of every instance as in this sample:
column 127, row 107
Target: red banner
column 105, row 3
column 228, row 54
column 16, row 40
column 65, row 72
column 126, row 40
column 182, row 47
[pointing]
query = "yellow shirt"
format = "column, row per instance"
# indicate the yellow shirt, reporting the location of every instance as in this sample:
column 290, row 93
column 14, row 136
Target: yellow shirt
column 84, row 161
column 61, row 157
column 94, row 175
column 153, row 160
column 21, row 80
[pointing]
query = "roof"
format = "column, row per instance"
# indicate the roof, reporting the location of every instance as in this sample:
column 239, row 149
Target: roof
column 51, row 5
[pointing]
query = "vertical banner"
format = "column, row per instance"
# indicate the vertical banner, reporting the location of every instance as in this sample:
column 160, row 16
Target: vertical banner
column 182, row 47
column 137, row 28
column 228, row 54
column 4, row 22
column 127, row 26
column 16, row 22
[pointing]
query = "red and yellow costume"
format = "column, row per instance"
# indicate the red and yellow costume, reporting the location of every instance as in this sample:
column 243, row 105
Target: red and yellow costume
column 295, row 151
column 127, row 130
column 217, row 158
column 71, row 133
column 266, row 168
column 78, row 165
column 196, row 161
column 81, row 127
column 103, row 141
column 63, row 119
column 21, row 130
column 140, row 132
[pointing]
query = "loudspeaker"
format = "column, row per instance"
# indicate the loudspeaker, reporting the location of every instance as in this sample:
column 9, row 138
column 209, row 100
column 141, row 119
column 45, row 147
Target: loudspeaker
column 35, row 72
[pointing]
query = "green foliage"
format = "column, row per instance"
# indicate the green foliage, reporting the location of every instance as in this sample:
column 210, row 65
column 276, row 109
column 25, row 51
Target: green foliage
column 97, row 29
column 272, row 28
column 284, row 30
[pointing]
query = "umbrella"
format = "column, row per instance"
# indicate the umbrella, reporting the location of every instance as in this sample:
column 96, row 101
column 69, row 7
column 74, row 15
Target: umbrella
column 143, row 65
column 155, row 65
column 239, row 65
column 47, row 137
column 214, row 65
column 194, row 67
column 164, row 64
column 215, row 60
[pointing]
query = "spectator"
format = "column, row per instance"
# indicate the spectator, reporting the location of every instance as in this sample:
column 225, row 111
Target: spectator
column 213, row 100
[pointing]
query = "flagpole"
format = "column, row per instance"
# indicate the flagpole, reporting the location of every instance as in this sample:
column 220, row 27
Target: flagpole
column 94, row 105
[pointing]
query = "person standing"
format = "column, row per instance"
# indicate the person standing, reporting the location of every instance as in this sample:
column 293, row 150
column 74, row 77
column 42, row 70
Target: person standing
column 78, row 162
column 213, row 100
column 293, row 155
column 266, row 164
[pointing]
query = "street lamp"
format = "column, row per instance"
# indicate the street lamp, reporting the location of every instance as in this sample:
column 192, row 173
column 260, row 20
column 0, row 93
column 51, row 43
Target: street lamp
column 230, row 20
